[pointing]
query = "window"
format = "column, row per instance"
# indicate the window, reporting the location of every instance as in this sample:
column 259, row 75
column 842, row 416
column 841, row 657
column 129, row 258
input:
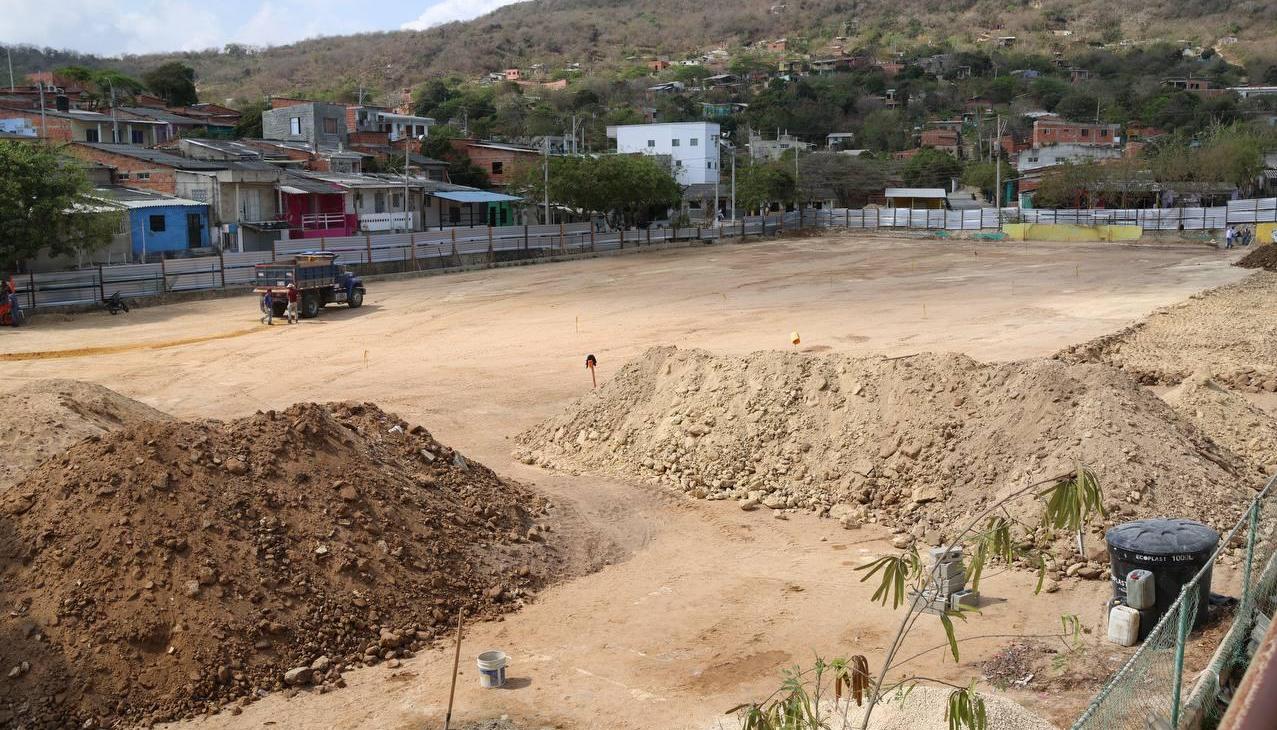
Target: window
column 359, row 200
column 674, row 142
column 1086, row 133
column 137, row 136
column 122, row 176
column 693, row 142
column 651, row 143
column 157, row 224
column 709, row 166
column 330, row 125
column 454, row 215
column 379, row 202
column 90, row 135
column 144, row 176
column 396, row 200
column 295, row 126
column 498, row 167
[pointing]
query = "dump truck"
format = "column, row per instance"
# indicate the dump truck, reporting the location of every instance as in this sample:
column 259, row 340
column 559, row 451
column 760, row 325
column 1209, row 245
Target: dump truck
column 319, row 278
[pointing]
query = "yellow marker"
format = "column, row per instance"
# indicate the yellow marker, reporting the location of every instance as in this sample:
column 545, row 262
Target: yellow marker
column 793, row 337
column 365, row 358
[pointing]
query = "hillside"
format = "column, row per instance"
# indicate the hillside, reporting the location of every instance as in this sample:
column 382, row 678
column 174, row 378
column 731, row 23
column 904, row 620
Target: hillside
column 603, row 34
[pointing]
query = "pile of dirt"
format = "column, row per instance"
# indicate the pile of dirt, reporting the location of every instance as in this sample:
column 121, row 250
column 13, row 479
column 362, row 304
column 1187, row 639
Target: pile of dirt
column 1263, row 257
column 42, row 418
column 1228, row 418
column 177, row 568
column 1227, row 334
column 915, row 442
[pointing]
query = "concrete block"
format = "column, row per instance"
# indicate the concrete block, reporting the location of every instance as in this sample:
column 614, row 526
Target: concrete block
column 964, row 599
column 944, row 555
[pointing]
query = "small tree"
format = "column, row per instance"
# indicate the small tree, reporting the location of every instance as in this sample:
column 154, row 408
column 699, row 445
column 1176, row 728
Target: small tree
column 758, row 186
column 42, row 206
column 174, row 82
column 625, row 188
column 931, row 168
column 1069, row 502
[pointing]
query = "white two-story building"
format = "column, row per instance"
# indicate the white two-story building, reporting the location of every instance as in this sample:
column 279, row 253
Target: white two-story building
column 691, row 147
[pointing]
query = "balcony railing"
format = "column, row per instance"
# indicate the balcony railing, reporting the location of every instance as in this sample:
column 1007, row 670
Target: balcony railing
column 387, row 221
column 316, row 221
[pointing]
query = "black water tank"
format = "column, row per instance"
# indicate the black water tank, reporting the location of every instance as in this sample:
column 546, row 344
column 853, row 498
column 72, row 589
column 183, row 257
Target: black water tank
column 62, row 103
column 1173, row 551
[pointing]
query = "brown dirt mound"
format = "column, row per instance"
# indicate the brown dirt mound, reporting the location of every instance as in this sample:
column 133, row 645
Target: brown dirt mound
column 916, row 442
column 171, row 568
column 1230, row 420
column 1226, row 334
column 1263, row 257
column 42, row 418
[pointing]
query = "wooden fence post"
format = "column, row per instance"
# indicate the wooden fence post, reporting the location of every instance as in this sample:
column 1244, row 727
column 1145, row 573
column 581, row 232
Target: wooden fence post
column 163, row 275
column 592, row 249
column 323, row 243
column 221, row 266
column 649, row 235
column 274, row 249
column 412, row 246
column 563, row 245
column 368, row 244
column 101, row 286
column 31, row 279
column 525, row 236
column 492, row 258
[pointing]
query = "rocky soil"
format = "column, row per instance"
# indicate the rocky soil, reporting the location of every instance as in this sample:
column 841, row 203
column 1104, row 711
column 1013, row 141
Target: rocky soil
column 177, row 568
column 42, row 418
column 1227, row 334
column 1230, row 420
column 916, row 443
column 1263, row 257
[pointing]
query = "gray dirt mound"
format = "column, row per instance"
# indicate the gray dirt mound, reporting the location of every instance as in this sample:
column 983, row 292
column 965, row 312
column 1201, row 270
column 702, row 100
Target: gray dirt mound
column 176, row 568
column 1226, row 333
column 42, row 418
column 915, row 442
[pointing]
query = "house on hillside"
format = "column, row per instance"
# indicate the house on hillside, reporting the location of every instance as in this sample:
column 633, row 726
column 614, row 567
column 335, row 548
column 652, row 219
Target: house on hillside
column 1057, row 131
column 500, row 161
column 1059, row 154
column 770, row 150
column 835, row 141
column 690, row 147
column 74, row 125
column 942, row 138
column 1202, row 87
column 314, row 123
column 157, row 225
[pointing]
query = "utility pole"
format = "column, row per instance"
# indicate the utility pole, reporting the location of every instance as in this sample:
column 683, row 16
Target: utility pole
column 407, row 144
column 115, row 124
column 8, row 52
column 44, row 126
column 997, row 169
column 545, row 169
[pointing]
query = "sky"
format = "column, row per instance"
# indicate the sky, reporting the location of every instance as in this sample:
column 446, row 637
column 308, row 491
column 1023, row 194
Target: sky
column 114, row 27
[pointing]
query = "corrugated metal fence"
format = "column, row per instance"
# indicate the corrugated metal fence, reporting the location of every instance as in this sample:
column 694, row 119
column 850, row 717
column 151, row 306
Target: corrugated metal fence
column 417, row 250
column 412, row 250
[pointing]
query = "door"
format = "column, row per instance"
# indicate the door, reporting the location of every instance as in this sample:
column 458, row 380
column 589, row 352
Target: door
column 194, row 230
column 250, row 205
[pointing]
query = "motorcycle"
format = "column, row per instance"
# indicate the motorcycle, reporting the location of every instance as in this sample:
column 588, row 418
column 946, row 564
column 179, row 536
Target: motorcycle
column 116, row 304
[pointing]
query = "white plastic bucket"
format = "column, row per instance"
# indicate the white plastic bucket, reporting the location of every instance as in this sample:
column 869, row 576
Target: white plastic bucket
column 492, row 669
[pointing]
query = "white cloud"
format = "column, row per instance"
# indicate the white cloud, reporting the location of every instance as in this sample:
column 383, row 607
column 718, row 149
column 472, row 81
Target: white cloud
column 140, row 26
column 446, row 11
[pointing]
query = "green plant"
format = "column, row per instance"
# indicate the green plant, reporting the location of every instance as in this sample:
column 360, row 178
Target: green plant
column 1069, row 502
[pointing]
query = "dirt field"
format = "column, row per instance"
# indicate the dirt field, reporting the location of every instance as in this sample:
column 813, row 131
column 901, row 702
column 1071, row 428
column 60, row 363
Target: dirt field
column 697, row 605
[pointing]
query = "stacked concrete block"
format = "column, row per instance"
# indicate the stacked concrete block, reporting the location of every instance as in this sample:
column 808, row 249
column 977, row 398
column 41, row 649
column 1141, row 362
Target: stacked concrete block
column 946, row 587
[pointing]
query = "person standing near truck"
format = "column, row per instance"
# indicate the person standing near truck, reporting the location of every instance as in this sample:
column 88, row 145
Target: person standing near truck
column 268, row 307
column 292, row 303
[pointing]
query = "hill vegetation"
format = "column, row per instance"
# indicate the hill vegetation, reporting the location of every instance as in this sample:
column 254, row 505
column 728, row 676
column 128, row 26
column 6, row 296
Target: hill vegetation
column 614, row 36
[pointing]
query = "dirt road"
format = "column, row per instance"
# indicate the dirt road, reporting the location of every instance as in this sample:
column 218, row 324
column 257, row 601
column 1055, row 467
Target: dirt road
column 702, row 603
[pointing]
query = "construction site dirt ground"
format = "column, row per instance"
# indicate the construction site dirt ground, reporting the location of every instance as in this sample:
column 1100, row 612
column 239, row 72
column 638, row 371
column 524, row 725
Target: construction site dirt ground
column 675, row 610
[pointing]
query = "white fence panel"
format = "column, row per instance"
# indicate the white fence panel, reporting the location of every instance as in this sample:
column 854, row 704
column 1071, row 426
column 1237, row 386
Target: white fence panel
column 203, row 272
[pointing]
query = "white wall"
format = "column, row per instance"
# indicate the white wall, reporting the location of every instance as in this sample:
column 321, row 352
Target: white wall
column 1058, row 154
column 692, row 147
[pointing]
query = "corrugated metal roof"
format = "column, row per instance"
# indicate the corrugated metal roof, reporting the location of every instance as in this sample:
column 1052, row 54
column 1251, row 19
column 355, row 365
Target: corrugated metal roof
column 938, row 193
column 158, row 157
column 474, row 196
column 134, row 198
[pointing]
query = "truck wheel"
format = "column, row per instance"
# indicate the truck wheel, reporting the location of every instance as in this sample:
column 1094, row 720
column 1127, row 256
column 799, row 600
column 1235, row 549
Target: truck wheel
column 279, row 308
column 356, row 299
column 310, row 305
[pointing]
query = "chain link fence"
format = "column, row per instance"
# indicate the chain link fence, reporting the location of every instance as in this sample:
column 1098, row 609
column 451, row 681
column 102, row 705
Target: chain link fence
column 1153, row 691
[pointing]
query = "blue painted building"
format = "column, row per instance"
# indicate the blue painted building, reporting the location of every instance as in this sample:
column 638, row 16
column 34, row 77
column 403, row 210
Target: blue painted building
column 159, row 223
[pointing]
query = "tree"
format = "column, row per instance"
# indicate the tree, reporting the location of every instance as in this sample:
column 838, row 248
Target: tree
column 1078, row 107
column 42, row 206
column 984, row 175
column 627, row 189
column 847, row 180
column 931, row 168
column 174, row 82
column 461, row 170
column 250, row 120
column 758, row 186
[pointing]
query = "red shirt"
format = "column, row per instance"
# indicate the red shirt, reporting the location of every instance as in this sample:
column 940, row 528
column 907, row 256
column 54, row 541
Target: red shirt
column 292, row 294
